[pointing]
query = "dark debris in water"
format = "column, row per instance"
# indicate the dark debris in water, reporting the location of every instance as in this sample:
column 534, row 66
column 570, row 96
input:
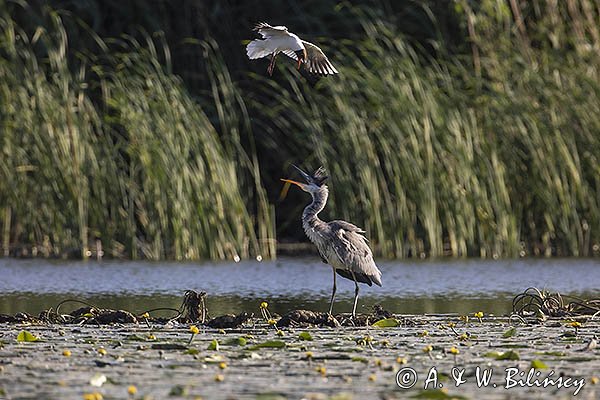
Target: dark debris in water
column 305, row 318
column 193, row 308
column 542, row 303
column 302, row 318
column 17, row 318
column 107, row 316
column 230, row 321
column 532, row 302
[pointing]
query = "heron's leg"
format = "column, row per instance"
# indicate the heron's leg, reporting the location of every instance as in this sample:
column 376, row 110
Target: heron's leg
column 355, row 295
column 332, row 293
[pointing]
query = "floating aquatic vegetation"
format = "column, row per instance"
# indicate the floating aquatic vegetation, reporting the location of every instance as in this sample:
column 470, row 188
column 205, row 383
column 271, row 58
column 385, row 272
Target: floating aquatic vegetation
column 131, row 390
column 296, row 318
column 439, row 394
column 512, row 331
column 93, row 396
column 503, row 355
column 538, row 364
column 454, row 351
column 305, row 336
column 270, row 344
column 98, row 380
column 264, row 311
column 535, row 301
column 387, row 323
column 229, row 320
column 26, row 336
column 479, row 315
column 193, row 307
column 194, row 331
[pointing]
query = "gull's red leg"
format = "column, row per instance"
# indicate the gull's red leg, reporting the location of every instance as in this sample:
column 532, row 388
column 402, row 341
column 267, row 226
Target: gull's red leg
column 271, row 65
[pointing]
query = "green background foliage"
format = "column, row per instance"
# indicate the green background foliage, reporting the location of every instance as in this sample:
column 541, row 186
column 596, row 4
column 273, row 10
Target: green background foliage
column 456, row 128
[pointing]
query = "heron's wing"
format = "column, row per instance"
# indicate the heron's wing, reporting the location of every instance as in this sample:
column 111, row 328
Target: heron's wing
column 316, row 61
column 354, row 254
column 267, row 31
column 339, row 224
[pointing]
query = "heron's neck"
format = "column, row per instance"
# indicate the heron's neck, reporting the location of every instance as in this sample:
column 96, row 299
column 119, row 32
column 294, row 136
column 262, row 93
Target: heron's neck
column 310, row 215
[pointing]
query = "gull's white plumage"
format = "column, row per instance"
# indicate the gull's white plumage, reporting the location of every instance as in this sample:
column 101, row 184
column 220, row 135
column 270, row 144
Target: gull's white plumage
column 277, row 39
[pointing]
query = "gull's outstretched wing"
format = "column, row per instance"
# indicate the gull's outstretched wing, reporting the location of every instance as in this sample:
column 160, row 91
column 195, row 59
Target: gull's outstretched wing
column 267, row 31
column 316, row 61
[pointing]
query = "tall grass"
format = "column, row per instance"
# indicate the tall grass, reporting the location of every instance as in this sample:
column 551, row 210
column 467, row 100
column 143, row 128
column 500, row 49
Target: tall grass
column 119, row 152
column 485, row 143
column 491, row 155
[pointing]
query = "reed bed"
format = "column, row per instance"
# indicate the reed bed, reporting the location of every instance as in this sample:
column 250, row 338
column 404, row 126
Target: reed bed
column 478, row 140
column 491, row 154
column 118, row 154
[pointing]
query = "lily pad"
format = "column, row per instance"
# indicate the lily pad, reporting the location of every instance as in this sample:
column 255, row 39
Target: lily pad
column 214, row 345
column 360, row 359
column 387, row 323
column 168, row 346
column 26, row 336
column 503, row 355
column 179, row 390
column 436, row 394
column 551, row 353
column 270, row 396
column 305, row 336
column 241, row 341
column 510, row 333
column 272, row 344
column 537, row 364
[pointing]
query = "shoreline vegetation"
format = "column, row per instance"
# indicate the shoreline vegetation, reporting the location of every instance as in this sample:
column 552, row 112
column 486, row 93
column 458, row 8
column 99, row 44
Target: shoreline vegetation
column 462, row 129
column 548, row 337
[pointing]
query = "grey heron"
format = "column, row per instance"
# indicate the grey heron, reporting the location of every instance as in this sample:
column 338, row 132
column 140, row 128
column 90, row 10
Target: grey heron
column 277, row 39
column 340, row 243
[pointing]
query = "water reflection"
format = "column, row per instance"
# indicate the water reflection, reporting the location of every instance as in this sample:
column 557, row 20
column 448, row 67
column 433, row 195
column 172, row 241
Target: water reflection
column 217, row 305
column 409, row 287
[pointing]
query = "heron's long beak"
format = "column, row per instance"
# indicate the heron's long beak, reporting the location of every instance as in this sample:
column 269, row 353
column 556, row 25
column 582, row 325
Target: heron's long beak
column 286, row 188
column 299, row 64
column 300, row 185
column 304, row 174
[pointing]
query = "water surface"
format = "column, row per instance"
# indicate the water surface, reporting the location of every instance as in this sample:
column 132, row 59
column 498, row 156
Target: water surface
column 439, row 286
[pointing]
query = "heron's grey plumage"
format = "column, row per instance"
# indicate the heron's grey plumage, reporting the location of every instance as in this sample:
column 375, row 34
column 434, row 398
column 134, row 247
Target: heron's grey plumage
column 341, row 244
